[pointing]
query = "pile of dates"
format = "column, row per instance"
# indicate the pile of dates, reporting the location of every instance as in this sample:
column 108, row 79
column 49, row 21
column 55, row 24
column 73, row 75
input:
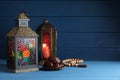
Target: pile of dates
column 53, row 63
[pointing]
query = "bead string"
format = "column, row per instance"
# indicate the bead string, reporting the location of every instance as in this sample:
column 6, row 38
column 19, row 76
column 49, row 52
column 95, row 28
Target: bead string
column 72, row 62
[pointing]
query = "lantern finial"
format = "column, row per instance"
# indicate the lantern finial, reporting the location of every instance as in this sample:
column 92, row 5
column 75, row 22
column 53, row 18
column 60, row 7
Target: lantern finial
column 45, row 20
column 22, row 15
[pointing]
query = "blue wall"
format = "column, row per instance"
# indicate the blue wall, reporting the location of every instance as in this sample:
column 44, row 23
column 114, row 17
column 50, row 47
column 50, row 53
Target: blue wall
column 87, row 29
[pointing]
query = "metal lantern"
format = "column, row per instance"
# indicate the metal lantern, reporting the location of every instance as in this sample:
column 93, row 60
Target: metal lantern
column 47, row 40
column 22, row 44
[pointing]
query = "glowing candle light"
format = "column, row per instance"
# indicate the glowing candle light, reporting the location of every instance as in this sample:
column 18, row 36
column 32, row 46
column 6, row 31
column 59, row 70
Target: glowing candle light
column 45, row 51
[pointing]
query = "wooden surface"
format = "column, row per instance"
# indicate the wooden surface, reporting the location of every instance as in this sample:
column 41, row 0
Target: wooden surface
column 87, row 29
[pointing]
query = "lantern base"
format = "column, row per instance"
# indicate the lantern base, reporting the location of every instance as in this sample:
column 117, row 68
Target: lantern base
column 23, row 70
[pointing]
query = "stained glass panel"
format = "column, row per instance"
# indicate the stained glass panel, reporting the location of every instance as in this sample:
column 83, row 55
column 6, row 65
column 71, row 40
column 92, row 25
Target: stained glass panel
column 26, row 51
column 11, row 52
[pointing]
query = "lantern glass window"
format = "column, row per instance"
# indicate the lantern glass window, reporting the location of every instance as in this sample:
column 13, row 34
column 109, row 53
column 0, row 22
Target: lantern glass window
column 46, row 45
column 26, row 51
column 11, row 52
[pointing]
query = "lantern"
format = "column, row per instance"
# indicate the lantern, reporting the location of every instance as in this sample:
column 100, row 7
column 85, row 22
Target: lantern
column 47, row 40
column 22, row 43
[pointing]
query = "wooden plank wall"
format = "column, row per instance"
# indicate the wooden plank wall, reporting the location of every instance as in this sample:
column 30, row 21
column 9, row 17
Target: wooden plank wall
column 87, row 29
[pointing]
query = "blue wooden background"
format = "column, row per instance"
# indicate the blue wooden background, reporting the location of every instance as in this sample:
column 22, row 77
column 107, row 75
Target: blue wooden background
column 87, row 29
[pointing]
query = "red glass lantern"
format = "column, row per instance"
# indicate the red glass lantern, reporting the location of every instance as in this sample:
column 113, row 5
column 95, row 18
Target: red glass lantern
column 47, row 40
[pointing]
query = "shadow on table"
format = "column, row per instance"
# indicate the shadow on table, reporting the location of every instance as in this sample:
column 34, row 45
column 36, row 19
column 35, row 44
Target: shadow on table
column 3, row 68
column 46, row 69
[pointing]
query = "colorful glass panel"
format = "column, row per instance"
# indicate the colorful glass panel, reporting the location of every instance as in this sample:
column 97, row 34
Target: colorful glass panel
column 26, row 51
column 11, row 52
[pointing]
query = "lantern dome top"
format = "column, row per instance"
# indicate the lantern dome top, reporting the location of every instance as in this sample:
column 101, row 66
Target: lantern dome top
column 22, row 29
column 22, row 15
column 46, row 26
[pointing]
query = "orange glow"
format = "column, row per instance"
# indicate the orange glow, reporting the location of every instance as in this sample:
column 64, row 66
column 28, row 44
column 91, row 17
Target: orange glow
column 26, row 54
